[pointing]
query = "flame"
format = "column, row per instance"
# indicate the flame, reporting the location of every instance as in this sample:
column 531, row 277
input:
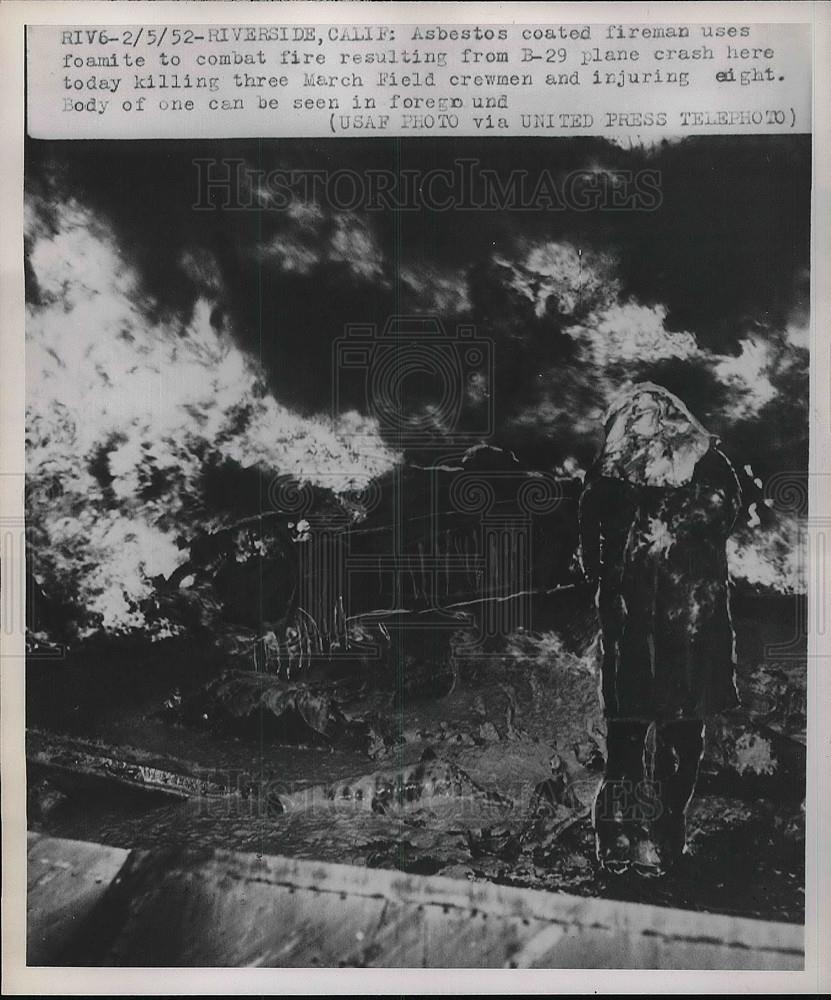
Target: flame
column 124, row 412
column 774, row 558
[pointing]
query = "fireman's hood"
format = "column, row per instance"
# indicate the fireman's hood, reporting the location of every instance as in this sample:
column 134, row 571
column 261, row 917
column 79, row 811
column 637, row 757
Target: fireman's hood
column 652, row 439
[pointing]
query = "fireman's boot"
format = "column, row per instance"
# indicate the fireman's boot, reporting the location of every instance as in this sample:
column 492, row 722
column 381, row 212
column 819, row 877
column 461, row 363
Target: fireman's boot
column 677, row 755
column 615, row 825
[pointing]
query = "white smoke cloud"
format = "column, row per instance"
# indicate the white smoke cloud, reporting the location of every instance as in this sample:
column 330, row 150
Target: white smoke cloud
column 798, row 335
column 312, row 238
column 435, row 291
column 620, row 337
column 748, row 375
column 561, row 276
column 631, row 333
column 354, row 244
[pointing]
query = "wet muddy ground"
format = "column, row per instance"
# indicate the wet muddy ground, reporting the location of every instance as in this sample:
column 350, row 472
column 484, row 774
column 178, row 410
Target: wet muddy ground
column 503, row 748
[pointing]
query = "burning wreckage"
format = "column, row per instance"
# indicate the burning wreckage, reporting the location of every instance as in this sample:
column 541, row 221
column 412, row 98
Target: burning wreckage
column 438, row 548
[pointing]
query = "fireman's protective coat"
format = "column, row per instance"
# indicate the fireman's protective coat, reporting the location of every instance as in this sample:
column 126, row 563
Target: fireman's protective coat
column 655, row 513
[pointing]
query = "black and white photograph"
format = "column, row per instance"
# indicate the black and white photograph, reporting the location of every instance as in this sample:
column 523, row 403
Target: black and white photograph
column 443, row 538
column 417, row 547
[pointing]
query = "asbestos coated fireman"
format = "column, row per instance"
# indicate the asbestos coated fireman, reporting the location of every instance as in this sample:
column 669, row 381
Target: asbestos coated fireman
column 656, row 510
